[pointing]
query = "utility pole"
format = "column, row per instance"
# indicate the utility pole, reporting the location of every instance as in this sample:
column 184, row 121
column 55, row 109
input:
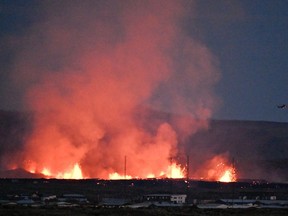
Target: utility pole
column 233, row 183
column 125, row 166
column 171, row 173
column 171, row 169
column 187, row 168
column 125, row 177
column 187, row 177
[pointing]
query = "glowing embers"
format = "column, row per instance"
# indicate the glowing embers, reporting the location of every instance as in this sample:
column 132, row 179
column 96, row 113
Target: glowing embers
column 73, row 173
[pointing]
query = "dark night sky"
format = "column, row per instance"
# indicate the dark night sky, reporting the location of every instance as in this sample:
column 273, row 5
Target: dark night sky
column 248, row 37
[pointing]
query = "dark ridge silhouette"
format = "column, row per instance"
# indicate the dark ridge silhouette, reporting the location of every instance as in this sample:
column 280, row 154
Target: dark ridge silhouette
column 20, row 173
column 259, row 148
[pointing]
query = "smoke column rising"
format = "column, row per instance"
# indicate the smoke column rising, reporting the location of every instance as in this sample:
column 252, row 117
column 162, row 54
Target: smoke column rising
column 87, row 66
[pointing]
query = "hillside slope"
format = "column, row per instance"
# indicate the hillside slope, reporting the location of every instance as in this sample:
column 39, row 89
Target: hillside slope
column 260, row 149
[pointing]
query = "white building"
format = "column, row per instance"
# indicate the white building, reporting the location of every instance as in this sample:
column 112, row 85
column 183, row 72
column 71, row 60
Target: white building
column 178, row 198
column 173, row 198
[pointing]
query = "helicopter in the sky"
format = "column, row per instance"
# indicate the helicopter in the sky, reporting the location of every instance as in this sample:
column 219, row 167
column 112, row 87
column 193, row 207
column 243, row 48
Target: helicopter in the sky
column 282, row 106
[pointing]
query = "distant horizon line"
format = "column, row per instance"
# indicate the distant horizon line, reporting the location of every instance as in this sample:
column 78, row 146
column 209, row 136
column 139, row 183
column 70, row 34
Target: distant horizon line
column 209, row 119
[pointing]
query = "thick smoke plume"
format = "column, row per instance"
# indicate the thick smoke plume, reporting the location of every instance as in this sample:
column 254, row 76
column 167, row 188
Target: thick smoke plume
column 88, row 67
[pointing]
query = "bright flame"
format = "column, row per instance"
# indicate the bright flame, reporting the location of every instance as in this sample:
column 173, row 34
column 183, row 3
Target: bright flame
column 217, row 169
column 115, row 176
column 151, row 176
column 32, row 171
column 74, row 173
column 46, row 172
column 31, row 168
column 173, row 171
column 229, row 176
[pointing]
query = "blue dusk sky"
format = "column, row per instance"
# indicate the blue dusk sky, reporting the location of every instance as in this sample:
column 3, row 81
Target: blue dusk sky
column 248, row 38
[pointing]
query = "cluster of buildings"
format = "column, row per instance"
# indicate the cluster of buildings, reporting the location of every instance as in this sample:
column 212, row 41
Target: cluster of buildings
column 149, row 200
column 37, row 200
column 243, row 202
column 74, row 200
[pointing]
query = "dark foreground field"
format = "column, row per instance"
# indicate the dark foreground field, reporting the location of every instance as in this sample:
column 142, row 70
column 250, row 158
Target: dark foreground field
column 13, row 191
column 193, row 211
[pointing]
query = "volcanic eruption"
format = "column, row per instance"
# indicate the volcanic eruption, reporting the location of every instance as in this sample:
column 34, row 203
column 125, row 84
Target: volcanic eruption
column 88, row 67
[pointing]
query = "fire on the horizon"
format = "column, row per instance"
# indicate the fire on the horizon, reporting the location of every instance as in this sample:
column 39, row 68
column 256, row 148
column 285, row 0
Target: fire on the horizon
column 221, row 172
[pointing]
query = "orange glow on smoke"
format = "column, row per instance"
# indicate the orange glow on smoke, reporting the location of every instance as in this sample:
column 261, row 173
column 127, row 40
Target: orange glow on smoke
column 86, row 89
